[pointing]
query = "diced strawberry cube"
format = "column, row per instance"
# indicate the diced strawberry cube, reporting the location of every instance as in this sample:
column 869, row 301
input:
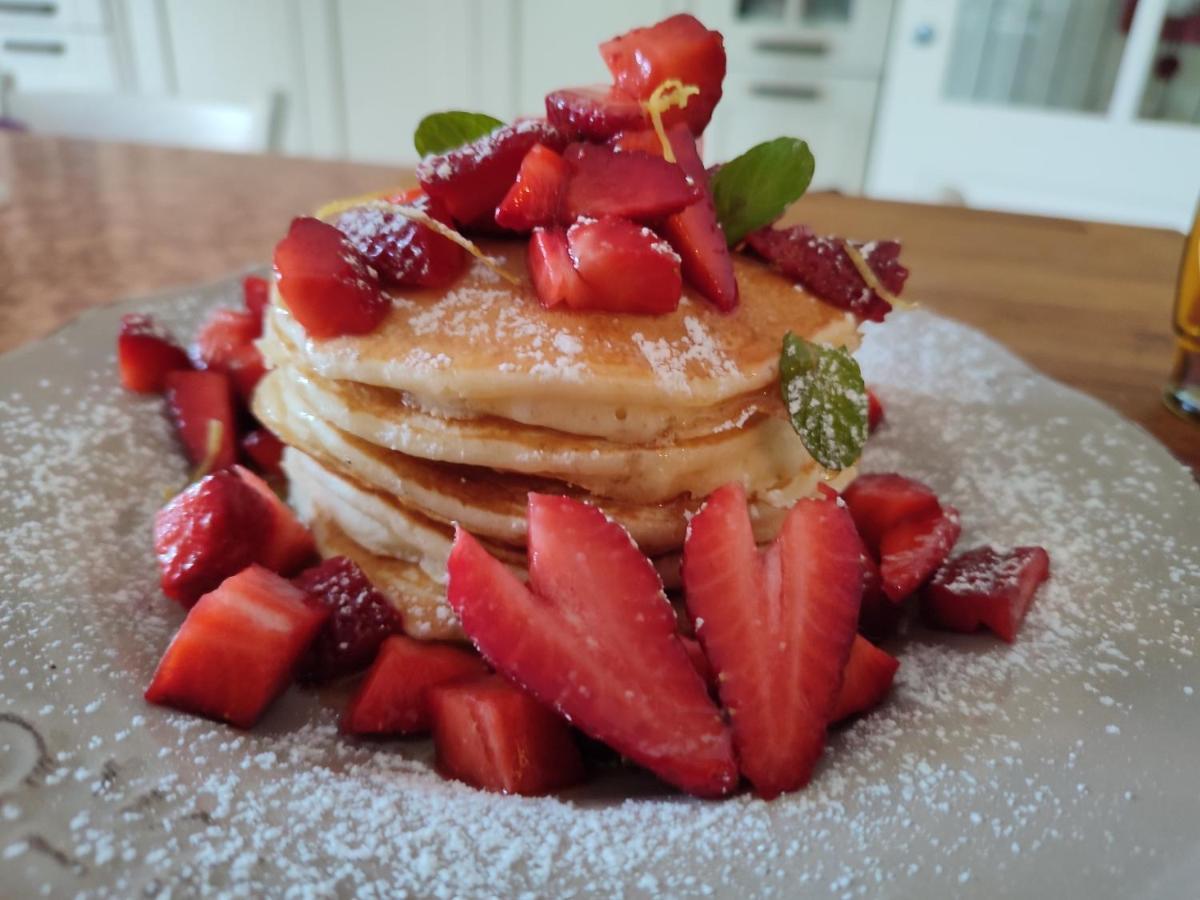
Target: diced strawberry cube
column 879, row 501
column 146, row 354
column 394, row 695
column 286, row 545
column 494, row 736
column 630, row 184
column 626, row 267
column 360, row 620
column 326, row 282
column 207, row 533
column 677, row 47
column 866, row 681
column 403, row 252
column 473, row 179
column 196, row 399
column 256, row 293
column 553, row 271
column 594, row 113
column 265, row 451
column 536, row 196
column 912, row 550
column 237, row 648
column 874, row 411
column 986, row 587
column 226, row 344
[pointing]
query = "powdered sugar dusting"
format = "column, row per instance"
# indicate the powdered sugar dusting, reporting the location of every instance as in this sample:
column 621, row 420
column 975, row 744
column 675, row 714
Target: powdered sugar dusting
column 696, row 354
column 1061, row 763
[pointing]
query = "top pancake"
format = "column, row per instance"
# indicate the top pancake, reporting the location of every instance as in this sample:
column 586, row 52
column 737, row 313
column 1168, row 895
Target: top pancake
column 487, row 340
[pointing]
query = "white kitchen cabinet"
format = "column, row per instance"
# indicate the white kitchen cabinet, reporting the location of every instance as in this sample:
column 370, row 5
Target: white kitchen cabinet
column 58, row 45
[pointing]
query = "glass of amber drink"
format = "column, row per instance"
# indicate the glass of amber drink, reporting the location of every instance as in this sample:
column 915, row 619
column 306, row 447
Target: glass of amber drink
column 1182, row 394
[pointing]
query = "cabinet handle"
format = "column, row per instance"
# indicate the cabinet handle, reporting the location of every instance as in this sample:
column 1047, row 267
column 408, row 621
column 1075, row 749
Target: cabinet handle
column 15, row 7
column 45, row 48
column 806, row 92
column 794, row 46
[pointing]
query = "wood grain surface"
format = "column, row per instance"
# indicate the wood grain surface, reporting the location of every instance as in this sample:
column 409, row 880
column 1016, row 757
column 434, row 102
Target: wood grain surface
column 85, row 224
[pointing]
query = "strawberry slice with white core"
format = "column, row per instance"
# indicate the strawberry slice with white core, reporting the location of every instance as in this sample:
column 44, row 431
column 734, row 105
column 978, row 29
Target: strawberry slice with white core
column 913, row 549
column 595, row 112
column 986, row 587
column 146, row 354
column 776, row 628
column 491, row 734
column 879, row 501
column 237, row 648
column 866, row 681
column 286, row 545
column 626, row 267
column 597, row 642
column 536, row 196
column 196, row 400
column 631, row 184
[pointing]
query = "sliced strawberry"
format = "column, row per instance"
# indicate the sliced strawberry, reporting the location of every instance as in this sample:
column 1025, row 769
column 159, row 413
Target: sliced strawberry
column 326, row 283
column 986, row 587
column 226, row 344
column 208, row 532
column 492, row 735
column 878, row 616
column 195, row 399
column 699, row 661
column 146, row 354
column 823, row 267
column 778, row 629
column 879, row 501
column 677, row 47
column 630, row 184
column 874, row 411
column 393, row 697
column 265, row 451
column 360, row 619
column 626, row 267
column 403, row 252
column 597, row 642
column 236, row 649
column 867, row 679
column 594, row 113
column 473, row 179
column 287, row 546
column 694, row 233
column 912, row 550
column 536, row 196
column 256, row 293
column 553, row 270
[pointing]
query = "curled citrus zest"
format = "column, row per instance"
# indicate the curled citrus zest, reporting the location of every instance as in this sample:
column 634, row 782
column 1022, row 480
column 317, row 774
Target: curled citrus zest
column 669, row 94
column 337, row 207
column 212, row 449
column 873, row 282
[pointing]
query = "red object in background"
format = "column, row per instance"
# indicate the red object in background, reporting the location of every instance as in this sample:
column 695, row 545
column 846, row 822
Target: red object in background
column 1175, row 29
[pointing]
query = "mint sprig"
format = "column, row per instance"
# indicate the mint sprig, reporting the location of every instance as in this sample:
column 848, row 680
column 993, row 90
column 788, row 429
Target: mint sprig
column 754, row 189
column 826, row 400
column 443, row 131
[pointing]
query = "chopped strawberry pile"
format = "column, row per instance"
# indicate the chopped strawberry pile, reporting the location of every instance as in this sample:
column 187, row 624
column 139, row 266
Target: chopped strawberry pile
column 226, row 344
column 146, row 355
column 987, row 588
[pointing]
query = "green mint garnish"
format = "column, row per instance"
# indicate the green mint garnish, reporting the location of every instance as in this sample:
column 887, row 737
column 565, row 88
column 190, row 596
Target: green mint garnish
column 826, row 400
column 754, row 189
column 443, row 131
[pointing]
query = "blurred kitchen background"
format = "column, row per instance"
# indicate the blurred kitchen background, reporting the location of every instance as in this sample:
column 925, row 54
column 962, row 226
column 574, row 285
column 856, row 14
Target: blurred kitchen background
column 1078, row 108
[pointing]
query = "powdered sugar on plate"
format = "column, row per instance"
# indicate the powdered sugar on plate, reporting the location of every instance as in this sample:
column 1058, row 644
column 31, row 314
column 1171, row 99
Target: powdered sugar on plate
column 1063, row 763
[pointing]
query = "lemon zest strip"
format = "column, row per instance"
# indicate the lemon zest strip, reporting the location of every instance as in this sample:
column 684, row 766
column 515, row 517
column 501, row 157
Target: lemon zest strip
column 669, row 94
column 873, row 282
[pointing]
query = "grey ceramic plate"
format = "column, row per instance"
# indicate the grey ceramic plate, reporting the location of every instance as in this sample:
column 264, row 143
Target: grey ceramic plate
column 1065, row 765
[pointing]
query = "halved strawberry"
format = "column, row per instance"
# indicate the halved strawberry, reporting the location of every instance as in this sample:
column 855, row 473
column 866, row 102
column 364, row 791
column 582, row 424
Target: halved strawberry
column 394, row 695
column 626, row 267
column 471, row 180
column 536, row 196
column 195, row 399
column 286, row 545
column 874, row 411
column 677, row 47
column 208, row 532
column 403, row 252
column 360, row 619
column 146, row 353
column 879, row 501
column 694, row 232
column 235, row 651
column 630, row 184
column 553, row 271
column 912, row 550
column 597, row 642
column 226, row 344
column 326, row 283
column 777, row 629
column 986, row 587
column 595, row 112
column 866, row 681
column 492, row 735
column 256, row 293
column 264, row 450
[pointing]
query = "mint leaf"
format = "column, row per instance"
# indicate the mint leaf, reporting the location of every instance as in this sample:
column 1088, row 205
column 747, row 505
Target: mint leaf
column 443, row 131
column 754, row 189
column 826, row 400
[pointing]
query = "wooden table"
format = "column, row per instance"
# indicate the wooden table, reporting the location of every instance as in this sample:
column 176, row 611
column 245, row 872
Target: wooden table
column 87, row 224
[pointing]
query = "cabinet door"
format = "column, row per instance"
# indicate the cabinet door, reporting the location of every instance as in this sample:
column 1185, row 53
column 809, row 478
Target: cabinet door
column 58, row 61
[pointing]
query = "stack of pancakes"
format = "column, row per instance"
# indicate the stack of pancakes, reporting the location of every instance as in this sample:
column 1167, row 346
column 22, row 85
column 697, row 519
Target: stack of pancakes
column 466, row 399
